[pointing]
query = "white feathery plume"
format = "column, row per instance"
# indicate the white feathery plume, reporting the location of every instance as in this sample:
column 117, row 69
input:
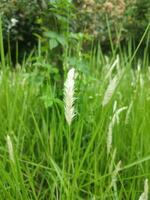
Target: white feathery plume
column 110, row 90
column 144, row 195
column 114, row 179
column 115, row 173
column 113, row 83
column 114, row 119
column 69, row 96
column 10, row 148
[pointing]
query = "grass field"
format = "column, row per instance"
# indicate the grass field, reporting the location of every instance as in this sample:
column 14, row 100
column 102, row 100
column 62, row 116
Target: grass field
column 89, row 140
column 84, row 137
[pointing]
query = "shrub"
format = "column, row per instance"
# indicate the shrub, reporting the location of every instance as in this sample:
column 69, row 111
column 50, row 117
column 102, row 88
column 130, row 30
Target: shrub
column 21, row 20
column 124, row 19
column 118, row 20
column 138, row 18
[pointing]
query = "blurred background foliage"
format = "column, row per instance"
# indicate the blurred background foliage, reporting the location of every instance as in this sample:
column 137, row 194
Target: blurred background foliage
column 58, row 23
column 124, row 18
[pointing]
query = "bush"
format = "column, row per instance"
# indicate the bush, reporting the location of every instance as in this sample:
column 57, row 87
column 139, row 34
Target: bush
column 138, row 18
column 21, row 20
column 118, row 20
column 124, row 19
column 24, row 21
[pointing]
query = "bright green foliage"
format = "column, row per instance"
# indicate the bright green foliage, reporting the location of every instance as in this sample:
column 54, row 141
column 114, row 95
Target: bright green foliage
column 54, row 161
column 104, row 153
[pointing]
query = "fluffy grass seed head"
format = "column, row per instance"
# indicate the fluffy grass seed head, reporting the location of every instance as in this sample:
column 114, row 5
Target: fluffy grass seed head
column 113, row 83
column 110, row 90
column 10, row 148
column 115, row 173
column 144, row 195
column 69, row 96
column 114, row 120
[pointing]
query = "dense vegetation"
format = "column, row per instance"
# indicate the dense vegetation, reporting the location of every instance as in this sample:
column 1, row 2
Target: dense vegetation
column 74, row 112
column 104, row 21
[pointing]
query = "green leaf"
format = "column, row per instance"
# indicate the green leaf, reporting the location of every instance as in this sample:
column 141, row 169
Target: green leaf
column 53, row 43
column 48, row 101
column 61, row 40
column 51, row 34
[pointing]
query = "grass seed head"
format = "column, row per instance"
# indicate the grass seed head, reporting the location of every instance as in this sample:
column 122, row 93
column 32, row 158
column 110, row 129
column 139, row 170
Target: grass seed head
column 114, row 120
column 69, row 96
column 10, row 148
column 115, row 173
column 144, row 195
column 110, row 91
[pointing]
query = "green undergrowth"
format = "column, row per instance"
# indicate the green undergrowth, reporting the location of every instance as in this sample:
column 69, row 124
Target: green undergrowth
column 54, row 161
column 103, row 154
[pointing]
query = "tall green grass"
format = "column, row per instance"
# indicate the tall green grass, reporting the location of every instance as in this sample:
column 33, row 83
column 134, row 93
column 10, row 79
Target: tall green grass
column 45, row 158
column 45, row 167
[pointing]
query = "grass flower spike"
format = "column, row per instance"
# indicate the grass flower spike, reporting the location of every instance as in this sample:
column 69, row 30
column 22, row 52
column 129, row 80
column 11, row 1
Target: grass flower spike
column 115, row 119
column 110, row 90
column 115, row 173
column 10, row 148
column 144, row 195
column 69, row 96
